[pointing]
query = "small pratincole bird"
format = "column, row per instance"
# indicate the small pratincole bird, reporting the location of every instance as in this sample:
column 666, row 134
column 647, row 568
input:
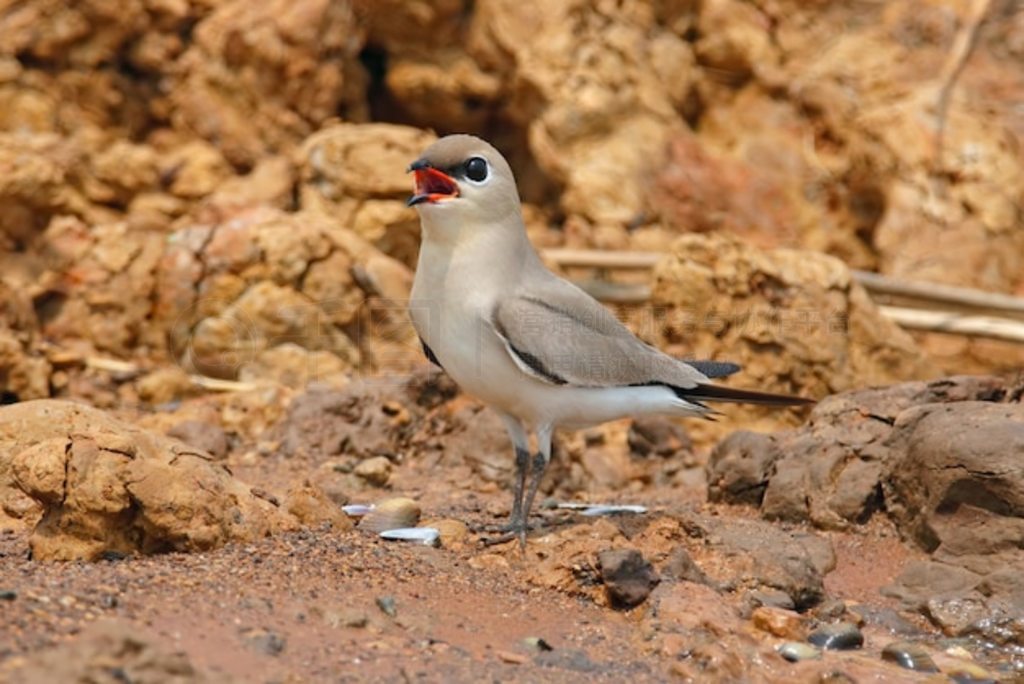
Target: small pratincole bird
column 534, row 347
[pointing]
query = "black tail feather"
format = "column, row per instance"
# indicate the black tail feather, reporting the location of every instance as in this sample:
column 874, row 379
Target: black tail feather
column 741, row 396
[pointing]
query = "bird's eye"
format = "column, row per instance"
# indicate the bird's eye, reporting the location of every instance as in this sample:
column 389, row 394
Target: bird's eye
column 476, row 169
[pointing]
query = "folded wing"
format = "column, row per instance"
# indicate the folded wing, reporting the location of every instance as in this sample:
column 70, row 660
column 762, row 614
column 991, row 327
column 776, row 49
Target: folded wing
column 562, row 336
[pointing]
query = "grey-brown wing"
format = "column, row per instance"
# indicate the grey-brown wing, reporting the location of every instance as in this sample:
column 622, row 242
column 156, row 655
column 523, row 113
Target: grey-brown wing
column 561, row 335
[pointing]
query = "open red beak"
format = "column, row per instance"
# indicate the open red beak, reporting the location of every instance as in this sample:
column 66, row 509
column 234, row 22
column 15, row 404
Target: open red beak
column 432, row 186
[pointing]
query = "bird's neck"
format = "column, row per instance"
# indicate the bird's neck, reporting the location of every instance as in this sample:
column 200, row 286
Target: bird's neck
column 485, row 257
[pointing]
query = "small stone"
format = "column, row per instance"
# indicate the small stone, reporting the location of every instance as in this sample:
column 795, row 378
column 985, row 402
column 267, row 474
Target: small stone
column 376, row 471
column 509, row 657
column 8, row 595
column 387, row 605
column 391, row 514
column 967, row 672
column 910, row 656
column 264, row 641
column 778, row 622
column 451, row 531
column 538, row 643
column 349, row 617
column 842, row 636
column 627, row 576
column 795, row 651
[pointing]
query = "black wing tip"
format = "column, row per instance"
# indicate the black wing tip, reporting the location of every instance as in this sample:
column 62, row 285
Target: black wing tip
column 715, row 369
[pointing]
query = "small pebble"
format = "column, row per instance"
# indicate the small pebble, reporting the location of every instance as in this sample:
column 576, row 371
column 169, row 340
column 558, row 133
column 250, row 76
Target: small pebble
column 509, row 657
column 8, row 595
column 264, row 641
column 376, row 470
column 350, row 617
column 387, row 605
column 795, row 651
column 910, row 656
column 842, row 636
column 357, row 510
column 538, row 643
column 966, row 672
column 391, row 514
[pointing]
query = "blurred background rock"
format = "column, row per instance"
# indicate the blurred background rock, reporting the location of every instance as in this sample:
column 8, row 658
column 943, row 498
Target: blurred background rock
column 219, row 184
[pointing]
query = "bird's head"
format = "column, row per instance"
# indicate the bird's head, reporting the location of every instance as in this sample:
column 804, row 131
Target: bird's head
column 462, row 180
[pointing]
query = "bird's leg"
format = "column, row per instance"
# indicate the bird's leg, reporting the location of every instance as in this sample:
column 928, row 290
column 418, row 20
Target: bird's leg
column 516, row 524
column 522, row 464
column 539, row 465
column 521, row 444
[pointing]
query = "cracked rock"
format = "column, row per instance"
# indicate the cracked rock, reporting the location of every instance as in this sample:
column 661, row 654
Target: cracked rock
column 108, row 487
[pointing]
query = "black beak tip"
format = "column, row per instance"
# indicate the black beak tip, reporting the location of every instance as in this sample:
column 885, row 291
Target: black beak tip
column 417, row 165
column 415, row 199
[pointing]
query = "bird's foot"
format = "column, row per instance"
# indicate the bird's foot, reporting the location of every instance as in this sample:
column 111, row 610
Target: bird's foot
column 500, row 534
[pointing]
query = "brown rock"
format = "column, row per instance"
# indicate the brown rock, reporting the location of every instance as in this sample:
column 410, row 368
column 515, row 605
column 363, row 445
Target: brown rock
column 24, row 369
column 376, row 470
column 758, row 555
column 204, row 436
column 106, row 486
column 453, row 533
column 795, row 321
column 959, row 489
column 627, row 576
column 297, row 60
column 833, row 471
column 357, row 172
column 111, row 267
column 249, row 293
column 311, row 506
column 785, row 624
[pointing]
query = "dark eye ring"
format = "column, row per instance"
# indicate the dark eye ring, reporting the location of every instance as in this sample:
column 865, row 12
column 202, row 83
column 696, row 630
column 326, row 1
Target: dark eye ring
column 476, row 169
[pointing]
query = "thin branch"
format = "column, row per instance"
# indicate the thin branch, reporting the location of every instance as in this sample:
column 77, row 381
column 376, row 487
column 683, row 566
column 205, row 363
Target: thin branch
column 929, row 295
column 963, row 45
column 955, row 323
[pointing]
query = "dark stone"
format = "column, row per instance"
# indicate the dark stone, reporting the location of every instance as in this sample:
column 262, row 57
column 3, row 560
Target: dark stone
column 740, row 467
column 657, row 437
column 264, row 641
column 760, row 554
column 627, row 576
column 835, row 470
column 909, row 656
column 795, row 651
column 387, row 605
column 681, row 567
column 841, row 636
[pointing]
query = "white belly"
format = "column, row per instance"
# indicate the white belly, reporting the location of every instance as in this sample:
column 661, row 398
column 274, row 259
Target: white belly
column 472, row 354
